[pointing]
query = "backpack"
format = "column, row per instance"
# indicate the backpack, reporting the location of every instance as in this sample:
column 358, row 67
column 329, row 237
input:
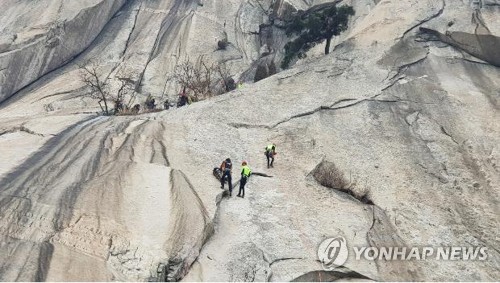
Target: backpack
column 217, row 173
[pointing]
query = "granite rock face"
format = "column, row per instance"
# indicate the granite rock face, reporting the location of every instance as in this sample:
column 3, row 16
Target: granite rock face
column 40, row 36
column 406, row 106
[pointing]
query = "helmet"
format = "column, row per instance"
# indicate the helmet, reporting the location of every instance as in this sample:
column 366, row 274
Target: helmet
column 243, row 163
column 228, row 160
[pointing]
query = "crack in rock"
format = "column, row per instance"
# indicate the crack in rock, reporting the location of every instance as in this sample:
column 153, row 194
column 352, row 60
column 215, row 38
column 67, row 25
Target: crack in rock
column 131, row 30
column 283, row 259
column 439, row 13
column 443, row 130
column 24, row 129
column 311, row 112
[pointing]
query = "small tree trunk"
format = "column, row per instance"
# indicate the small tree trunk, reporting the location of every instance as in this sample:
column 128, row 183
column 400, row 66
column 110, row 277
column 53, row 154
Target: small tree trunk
column 106, row 111
column 100, row 105
column 106, row 106
column 327, row 47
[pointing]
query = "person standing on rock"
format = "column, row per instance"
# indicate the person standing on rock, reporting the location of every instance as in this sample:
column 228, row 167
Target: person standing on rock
column 245, row 174
column 226, row 167
column 183, row 98
column 270, row 153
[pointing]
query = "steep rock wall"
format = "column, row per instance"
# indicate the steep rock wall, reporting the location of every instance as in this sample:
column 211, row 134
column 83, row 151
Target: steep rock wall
column 32, row 47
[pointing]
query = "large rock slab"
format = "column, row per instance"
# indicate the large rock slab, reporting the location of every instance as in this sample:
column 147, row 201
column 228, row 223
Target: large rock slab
column 406, row 118
column 40, row 36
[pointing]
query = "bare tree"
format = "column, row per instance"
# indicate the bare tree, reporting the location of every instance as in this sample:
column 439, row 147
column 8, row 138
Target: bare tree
column 126, row 90
column 100, row 89
column 196, row 78
column 201, row 78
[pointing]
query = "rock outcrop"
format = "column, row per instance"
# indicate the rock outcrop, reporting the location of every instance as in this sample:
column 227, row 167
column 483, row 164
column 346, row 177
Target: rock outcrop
column 41, row 36
column 405, row 106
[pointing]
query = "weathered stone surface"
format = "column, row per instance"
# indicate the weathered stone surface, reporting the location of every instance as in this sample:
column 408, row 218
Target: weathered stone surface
column 40, row 36
column 409, row 119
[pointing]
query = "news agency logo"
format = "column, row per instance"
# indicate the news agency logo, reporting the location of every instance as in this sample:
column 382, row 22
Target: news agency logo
column 421, row 253
column 333, row 252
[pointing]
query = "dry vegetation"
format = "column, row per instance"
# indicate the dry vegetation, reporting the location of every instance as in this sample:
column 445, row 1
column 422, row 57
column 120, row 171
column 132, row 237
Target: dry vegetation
column 328, row 175
column 202, row 79
column 119, row 102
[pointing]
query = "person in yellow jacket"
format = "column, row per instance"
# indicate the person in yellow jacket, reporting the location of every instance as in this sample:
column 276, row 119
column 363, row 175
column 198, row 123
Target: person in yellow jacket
column 245, row 174
column 270, row 153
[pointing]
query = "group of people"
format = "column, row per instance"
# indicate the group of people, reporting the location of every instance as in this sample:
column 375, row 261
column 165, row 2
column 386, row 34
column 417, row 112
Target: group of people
column 227, row 166
column 150, row 103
